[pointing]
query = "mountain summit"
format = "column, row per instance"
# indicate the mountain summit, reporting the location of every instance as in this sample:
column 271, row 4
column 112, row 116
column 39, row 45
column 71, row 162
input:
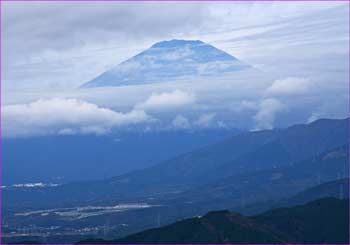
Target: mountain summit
column 170, row 60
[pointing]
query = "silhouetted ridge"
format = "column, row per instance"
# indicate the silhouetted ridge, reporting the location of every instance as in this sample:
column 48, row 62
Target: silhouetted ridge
column 321, row 221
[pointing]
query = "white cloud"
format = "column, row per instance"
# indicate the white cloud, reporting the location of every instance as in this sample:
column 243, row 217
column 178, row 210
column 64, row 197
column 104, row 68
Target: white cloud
column 167, row 101
column 67, row 131
column 221, row 124
column 180, row 122
column 281, row 38
column 64, row 116
column 313, row 117
column 289, row 86
column 177, row 54
column 247, row 104
column 205, row 120
column 95, row 129
column 267, row 110
column 214, row 67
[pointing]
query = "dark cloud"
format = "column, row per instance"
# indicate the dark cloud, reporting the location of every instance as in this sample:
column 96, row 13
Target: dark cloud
column 44, row 27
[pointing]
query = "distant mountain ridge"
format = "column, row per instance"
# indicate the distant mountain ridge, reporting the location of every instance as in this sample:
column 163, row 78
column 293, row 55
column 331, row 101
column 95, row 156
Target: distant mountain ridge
column 212, row 166
column 242, row 153
column 261, row 169
column 321, row 221
column 338, row 188
column 167, row 61
column 277, row 183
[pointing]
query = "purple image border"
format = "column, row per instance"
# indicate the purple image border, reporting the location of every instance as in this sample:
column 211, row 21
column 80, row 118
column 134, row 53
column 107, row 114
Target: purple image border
column 165, row 1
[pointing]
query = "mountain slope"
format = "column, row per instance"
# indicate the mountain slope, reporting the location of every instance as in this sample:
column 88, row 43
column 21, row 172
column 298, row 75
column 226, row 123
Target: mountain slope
column 213, row 228
column 175, row 195
column 243, row 153
column 248, row 193
column 321, row 221
column 336, row 188
column 270, row 184
column 201, row 167
column 170, row 60
column 102, row 156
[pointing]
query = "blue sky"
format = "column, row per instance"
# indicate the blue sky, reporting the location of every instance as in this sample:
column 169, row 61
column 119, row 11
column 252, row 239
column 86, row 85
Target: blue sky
column 49, row 49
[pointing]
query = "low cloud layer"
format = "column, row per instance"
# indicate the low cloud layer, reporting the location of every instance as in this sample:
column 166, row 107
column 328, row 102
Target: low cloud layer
column 72, row 116
column 64, row 116
column 289, row 86
column 167, row 101
column 180, row 122
column 205, row 120
column 267, row 111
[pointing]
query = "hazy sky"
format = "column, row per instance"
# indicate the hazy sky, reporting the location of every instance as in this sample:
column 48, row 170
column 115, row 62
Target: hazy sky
column 49, row 49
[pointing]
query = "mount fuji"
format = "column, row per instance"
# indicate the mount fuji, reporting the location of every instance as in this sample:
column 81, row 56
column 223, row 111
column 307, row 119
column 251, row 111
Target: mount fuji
column 169, row 61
